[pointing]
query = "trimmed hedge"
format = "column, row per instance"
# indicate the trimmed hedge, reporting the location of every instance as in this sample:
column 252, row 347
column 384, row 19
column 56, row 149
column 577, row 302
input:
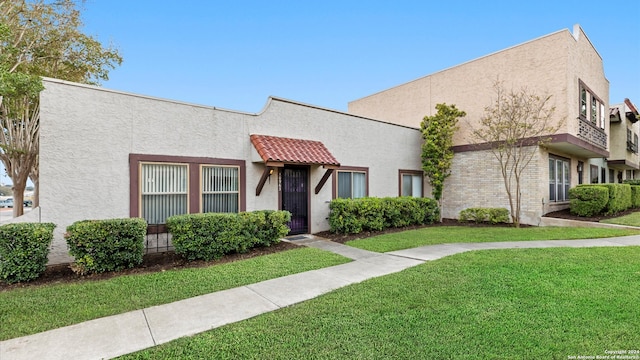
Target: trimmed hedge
column 106, row 245
column 352, row 216
column 619, row 198
column 480, row 215
column 631, row 182
column 588, row 200
column 24, row 248
column 209, row 236
column 635, row 196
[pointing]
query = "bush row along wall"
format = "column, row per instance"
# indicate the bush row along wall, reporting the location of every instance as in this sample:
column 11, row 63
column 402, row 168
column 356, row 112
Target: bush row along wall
column 209, row 236
column 352, row 216
column 590, row 200
column 116, row 244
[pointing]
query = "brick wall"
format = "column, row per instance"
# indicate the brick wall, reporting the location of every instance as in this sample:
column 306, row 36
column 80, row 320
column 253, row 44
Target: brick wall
column 476, row 181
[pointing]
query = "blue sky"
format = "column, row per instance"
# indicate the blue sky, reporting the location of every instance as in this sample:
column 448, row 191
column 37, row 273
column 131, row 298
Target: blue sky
column 234, row 54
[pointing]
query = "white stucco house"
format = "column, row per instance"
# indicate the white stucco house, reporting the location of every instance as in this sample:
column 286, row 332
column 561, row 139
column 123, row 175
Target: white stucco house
column 108, row 154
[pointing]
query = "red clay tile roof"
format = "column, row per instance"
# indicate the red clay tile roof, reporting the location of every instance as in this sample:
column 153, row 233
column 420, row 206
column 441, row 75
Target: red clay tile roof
column 631, row 106
column 292, row 151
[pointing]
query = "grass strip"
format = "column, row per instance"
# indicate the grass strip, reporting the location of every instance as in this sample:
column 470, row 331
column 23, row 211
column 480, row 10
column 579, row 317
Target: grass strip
column 27, row 311
column 632, row 219
column 464, row 234
column 497, row 304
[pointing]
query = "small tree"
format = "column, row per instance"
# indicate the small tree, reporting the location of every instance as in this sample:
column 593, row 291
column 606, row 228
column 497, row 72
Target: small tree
column 437, row 155
column 514, row 127
column 39, row 38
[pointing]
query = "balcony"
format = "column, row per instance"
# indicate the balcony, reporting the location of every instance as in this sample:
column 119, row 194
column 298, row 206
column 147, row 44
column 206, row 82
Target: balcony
column 592, row 134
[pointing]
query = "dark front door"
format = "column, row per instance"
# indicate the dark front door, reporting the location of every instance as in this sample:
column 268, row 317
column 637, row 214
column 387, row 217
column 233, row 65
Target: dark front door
column 295, row 198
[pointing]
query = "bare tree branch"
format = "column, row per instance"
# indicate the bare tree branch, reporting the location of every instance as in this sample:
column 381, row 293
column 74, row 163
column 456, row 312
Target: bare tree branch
column 515, row 126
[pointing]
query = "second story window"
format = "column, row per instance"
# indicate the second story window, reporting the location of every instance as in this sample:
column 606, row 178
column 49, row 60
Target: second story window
column 632, row 141
column 594, row 110
column 583, row 102
column 591, row 107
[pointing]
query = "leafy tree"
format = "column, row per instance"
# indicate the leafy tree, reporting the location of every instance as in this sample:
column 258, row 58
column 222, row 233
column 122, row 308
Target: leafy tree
column 39, row 38
column 437, row 153
column 515, row 126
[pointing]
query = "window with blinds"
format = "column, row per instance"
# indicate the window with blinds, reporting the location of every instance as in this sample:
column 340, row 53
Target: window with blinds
column 412, row 185
column 352, row 184
column 220, row 189
column 164, row 191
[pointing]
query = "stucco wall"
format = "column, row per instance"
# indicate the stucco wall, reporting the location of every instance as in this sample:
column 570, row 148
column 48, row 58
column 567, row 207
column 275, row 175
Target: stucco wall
column 87, row 134
column 619, row 136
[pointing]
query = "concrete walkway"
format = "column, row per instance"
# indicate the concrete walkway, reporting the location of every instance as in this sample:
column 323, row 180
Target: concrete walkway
column 121, row 334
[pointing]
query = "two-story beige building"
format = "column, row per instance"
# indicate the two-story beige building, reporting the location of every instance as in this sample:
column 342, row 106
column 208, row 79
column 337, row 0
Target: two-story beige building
column 623, row 162
column 564, row 65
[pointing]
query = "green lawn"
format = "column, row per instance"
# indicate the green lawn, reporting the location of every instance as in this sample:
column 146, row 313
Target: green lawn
column 464, row 234
column 497, row 304
column 632, row 219
column 31, row 310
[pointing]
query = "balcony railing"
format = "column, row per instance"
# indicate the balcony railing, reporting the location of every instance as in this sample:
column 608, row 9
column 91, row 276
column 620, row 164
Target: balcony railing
column 592, row 134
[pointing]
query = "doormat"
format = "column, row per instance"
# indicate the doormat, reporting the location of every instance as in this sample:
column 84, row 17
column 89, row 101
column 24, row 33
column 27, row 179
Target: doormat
column 299, row 237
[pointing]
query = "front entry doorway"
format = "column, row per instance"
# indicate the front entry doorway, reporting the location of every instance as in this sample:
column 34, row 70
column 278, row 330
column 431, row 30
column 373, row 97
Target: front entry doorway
column 295, row 197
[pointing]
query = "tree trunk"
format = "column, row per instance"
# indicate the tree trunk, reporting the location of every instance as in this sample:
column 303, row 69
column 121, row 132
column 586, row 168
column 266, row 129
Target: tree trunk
column 36, row 193
column 18, row 196
column 34, row 175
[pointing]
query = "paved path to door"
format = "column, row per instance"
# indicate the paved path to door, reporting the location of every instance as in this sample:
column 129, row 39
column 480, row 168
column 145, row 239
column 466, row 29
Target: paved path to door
column 121, row 334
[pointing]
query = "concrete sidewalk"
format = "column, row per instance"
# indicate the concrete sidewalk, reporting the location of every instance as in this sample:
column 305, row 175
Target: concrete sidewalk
column 136, row 330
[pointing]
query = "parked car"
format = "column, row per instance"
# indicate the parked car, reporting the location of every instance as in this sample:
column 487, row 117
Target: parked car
column 28, row 203
column 8, row 203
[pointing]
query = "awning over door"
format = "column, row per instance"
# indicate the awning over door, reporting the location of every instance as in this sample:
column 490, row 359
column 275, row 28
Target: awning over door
column 278, row 151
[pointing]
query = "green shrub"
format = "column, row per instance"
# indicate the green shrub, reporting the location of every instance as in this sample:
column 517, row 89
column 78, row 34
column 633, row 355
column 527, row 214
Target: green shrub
column 635, row 196
column 427, row 211
column 106, row 245
column 588, row 200
column 275, row 227
column 631, row 182
column 343, row 216
column 24, row 248
column 352, row 216
column 480, row 215
column 209, row 236
column 619, row 198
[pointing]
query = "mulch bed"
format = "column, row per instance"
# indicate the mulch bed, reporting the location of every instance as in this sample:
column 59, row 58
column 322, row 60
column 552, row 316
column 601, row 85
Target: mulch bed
column 58, row 274
column 565, row 214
